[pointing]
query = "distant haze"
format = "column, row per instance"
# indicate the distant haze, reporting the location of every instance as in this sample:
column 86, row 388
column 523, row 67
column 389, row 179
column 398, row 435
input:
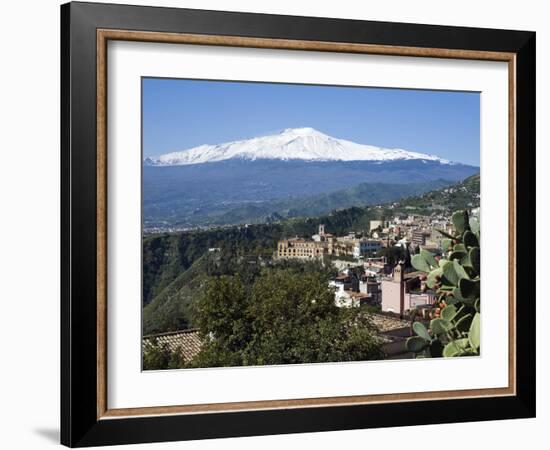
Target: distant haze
column 180, row 115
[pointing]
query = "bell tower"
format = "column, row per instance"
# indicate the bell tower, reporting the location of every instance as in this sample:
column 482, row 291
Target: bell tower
column 399, row 277
column 398, row 272
column 321, row 230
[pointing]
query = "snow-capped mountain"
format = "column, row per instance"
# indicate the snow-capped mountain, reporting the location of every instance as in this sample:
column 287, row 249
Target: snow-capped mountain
column 305, row 144
column 238, row 182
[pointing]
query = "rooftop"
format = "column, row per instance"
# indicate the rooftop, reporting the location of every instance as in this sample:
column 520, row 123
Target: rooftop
column 187, row 342
column 386, row 323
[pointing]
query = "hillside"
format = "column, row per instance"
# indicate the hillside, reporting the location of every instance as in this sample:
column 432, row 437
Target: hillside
column 199, row 194
column 166, row 256
column 170, row 309
column 464, row 195
column 361, row 195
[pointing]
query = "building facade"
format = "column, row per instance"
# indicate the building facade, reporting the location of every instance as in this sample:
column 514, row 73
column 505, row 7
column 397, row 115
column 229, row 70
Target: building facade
column 365, row 247
column 324, row 243
column 418, row 237
column 300, row 249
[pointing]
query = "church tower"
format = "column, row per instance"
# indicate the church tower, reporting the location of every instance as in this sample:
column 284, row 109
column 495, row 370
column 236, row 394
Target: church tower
column 398, row 272
column 321, row 230
column 399, row 277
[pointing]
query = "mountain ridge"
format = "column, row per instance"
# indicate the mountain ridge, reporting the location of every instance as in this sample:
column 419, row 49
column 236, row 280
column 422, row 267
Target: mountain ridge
column 362, row 194
column 306, row 144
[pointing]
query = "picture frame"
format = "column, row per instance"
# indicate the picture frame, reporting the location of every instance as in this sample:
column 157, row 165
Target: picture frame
column 86, row 418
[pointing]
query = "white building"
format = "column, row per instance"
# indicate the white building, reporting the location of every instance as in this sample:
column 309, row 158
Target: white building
column 365, row 246
column 375, row 224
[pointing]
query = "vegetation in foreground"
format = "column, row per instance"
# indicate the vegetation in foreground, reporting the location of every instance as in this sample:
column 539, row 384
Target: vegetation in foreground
column 457, row 279
column 286, row 316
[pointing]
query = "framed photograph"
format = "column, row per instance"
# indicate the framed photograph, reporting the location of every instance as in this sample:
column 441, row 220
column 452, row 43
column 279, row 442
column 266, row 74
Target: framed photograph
column 276, row 224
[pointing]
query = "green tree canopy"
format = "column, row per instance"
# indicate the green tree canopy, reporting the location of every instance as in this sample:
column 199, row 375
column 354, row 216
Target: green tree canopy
column 284, row 317
column 393, row 254
column 157, row 357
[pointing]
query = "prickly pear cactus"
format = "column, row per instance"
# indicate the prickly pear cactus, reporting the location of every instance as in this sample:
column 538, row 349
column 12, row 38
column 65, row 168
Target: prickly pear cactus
column 455, row 276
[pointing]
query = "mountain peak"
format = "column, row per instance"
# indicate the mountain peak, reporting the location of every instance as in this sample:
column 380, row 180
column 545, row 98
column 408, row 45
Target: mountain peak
column 302, row 131
column 304, row 143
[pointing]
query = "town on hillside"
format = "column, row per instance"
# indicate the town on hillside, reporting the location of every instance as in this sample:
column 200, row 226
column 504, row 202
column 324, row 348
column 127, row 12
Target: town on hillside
column 366, row 277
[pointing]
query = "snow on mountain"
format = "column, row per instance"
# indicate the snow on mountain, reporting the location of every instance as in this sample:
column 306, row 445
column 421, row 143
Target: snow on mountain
column 291, row 144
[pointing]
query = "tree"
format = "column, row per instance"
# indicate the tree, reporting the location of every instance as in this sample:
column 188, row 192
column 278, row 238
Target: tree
column 285, row 317
column 158, row 356
column 221, row 316
column 393, row 254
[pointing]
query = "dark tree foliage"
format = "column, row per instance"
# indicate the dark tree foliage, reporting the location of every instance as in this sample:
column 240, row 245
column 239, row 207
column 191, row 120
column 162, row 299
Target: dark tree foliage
column 393, row 254
column 161, row 264
column 159, row 357
column 284, row 317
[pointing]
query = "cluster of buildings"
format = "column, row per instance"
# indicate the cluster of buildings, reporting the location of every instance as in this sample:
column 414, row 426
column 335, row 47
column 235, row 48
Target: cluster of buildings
column 326, row 244
column 396, row 289
column 413, row 230
column 351, row 289
column 367, row 280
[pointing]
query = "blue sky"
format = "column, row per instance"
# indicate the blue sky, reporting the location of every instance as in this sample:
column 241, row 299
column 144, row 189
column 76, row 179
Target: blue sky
column 180, row 114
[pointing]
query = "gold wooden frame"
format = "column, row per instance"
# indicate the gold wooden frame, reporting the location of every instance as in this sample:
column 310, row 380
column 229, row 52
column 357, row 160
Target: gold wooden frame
column 103, row 36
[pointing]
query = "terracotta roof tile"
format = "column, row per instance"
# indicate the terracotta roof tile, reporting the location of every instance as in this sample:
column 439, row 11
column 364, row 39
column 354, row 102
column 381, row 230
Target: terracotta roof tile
column 188, row 342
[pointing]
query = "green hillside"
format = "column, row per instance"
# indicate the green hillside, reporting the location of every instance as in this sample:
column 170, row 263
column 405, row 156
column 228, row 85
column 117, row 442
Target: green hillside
column 361, row 195
column 170, row 309
column 167, row 255
column 464, row 195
